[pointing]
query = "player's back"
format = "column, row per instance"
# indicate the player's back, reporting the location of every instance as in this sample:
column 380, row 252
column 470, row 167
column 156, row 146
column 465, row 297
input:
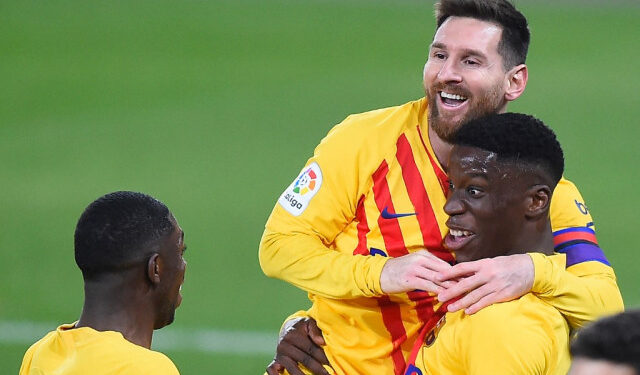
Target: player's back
column 71, row 351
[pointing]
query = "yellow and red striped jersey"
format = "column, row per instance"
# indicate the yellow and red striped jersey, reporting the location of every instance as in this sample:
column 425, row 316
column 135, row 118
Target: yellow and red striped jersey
column 373, row 189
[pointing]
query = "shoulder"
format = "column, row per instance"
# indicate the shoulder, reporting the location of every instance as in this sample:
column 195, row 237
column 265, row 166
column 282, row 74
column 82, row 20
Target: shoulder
column 527, row 335
column 143, row 360
column 33, row 349
column 568, row 208
column 382, row 122
column 527, row 324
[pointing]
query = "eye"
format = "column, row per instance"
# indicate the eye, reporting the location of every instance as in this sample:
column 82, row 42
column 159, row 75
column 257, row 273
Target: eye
column 438, row 55
column 474, row 192
column 471, row 62
column 451, row 187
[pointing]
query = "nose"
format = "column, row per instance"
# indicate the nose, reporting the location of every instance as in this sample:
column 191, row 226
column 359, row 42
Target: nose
column 454, row 205
column 449, row 72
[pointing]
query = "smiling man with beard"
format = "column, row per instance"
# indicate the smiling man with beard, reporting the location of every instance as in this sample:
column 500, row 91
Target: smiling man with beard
column 361, row 228
column 130, row 250
column 502, row 171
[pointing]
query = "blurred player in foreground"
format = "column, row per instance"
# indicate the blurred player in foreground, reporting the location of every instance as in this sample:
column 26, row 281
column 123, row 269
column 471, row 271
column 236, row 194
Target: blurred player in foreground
column 361, row 228
column 130, row 250
column 502, row 172
column 610, row 346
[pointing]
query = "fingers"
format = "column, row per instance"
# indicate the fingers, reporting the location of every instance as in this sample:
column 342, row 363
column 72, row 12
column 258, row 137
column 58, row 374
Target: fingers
column 460, row 270
column 471, row 298
column 426, row 285
column 485, row 301
column 291, row 366
column 433, row 262
column 315, row 333
column 297, row 346
column 466, row 285
column 274, row 368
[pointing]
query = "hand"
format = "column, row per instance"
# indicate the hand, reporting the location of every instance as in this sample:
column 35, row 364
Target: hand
column 417, row 270
column 487, row 281
column 300, row 343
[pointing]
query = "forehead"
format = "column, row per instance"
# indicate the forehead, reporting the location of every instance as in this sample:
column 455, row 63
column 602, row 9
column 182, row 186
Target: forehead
column 472, row 160
column 176, row 237
column 468, row 33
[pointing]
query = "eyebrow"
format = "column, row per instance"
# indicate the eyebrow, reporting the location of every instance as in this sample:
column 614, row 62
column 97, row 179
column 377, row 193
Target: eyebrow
column 478, row 174
column 467, row 51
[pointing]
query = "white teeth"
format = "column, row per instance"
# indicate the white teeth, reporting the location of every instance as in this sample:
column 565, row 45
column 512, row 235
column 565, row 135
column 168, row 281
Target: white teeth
column 459, row 233
column 451, row 96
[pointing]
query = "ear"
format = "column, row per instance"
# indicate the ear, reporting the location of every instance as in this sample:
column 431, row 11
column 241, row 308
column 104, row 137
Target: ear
column 153, row 269
column 518, row 76
column 538, row 200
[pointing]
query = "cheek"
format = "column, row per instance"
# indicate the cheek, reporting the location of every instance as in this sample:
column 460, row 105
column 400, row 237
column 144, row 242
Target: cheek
column 429, row 72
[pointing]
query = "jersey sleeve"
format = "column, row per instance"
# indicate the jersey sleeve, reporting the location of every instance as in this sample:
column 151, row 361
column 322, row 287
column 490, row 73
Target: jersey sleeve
column 313, row 210
column 585, row 289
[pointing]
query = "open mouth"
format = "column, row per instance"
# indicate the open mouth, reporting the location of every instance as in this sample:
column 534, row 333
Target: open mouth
column 451, row 100
column 456, row 239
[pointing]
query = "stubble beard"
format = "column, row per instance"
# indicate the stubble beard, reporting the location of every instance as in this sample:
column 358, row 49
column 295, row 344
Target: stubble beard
column 445, row 127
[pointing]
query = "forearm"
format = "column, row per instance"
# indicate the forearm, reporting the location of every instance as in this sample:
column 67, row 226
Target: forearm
column 582, row 293
column 305, row 262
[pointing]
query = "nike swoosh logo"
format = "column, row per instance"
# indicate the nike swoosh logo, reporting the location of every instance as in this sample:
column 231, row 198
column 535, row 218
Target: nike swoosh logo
column 386, row 215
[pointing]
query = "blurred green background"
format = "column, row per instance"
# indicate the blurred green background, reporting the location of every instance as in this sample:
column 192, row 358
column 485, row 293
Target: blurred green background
column 214, row 106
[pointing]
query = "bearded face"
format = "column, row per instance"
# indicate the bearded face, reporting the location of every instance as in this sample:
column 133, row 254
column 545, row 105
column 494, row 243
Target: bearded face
column 464, row 77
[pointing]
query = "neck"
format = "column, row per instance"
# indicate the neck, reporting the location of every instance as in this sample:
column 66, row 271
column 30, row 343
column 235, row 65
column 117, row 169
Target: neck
column 538, row 238
column 441, row 148
column 107, row 307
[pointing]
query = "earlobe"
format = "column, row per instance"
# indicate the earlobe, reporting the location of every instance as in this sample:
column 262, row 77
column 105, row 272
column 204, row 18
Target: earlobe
column 518, row 77
column 538, row 201
column 153, row 269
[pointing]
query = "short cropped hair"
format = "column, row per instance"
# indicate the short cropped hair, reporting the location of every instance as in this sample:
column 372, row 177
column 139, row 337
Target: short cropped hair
column 515, row 137
column 117, row 231
column 613, row 339
column 514, row 43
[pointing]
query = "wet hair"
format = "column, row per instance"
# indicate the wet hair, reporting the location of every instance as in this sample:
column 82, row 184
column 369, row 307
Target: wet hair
column 515, row 137
column 119, row 230
column 613, row 339
column 514, row 42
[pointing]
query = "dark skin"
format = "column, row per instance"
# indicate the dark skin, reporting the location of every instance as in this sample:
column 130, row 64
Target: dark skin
column 501, row 208
column 140, row 299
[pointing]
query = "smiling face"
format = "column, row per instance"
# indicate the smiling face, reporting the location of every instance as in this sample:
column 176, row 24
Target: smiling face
column 173, row 265
column 486, row 204
column 464, row 77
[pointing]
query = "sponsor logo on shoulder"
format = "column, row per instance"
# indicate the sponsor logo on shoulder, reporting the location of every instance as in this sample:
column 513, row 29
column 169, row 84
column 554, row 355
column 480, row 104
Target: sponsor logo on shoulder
column 297, row 196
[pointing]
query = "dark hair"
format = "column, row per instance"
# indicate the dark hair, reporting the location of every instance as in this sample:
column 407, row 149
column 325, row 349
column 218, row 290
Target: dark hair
column 614, row 339
column 117, row 231
column 514, row 42
column 515, row 137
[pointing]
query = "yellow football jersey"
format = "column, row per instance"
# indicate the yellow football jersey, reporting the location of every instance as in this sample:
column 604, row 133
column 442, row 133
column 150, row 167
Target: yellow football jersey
column 374, row 189
column 524, row 336
column 81, row 351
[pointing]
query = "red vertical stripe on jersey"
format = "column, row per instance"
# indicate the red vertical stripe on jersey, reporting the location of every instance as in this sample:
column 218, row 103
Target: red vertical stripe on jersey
column 431, row 235
column 442, row 177
column 363, row 229
column 394, row 245
column 393, row 321
column 389, row 228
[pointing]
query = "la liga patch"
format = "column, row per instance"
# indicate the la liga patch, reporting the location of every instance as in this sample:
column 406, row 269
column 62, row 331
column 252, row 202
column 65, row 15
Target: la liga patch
column 297, row 196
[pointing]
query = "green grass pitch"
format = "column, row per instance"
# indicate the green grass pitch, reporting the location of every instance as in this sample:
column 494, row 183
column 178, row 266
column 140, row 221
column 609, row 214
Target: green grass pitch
column 214, row 106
